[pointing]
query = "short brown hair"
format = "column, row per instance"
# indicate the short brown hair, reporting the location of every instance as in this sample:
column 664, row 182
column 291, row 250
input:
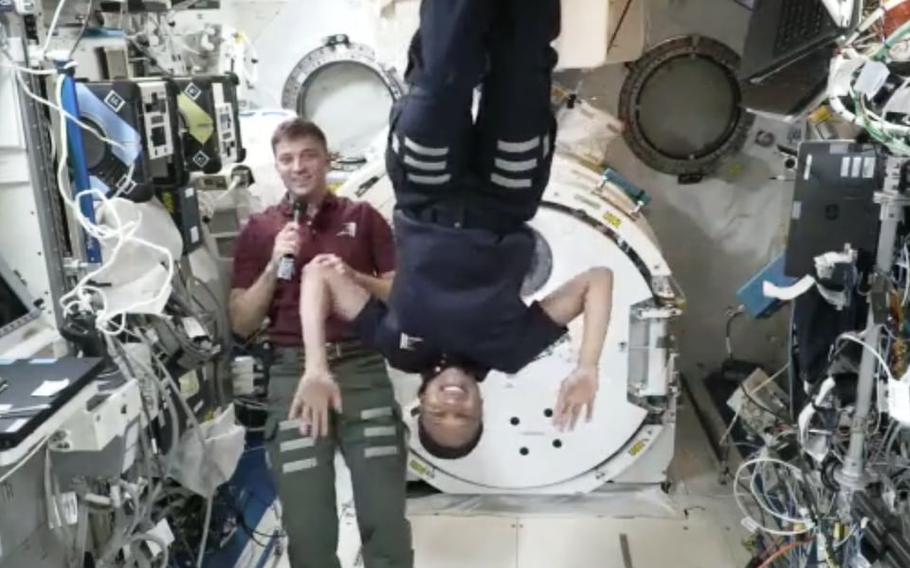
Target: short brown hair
column 294, row 128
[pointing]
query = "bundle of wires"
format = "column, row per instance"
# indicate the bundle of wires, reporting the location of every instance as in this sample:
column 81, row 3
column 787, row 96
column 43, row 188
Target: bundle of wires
column 87, row 296
column 866, row 46
column 798, row 508
column 149, row 514
column 802, row 511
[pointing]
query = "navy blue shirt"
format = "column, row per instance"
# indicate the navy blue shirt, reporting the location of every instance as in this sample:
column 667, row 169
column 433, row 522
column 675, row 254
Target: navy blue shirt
column 457, row 295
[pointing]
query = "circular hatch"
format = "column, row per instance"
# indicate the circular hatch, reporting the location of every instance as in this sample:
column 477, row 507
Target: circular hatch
column 680, row 105
column 343, row 88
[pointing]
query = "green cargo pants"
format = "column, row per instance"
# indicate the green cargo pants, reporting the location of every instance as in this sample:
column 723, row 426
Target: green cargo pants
column 371, row 437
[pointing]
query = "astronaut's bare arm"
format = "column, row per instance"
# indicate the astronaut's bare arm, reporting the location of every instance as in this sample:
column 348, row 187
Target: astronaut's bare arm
column 325, row 291
column 590, row 293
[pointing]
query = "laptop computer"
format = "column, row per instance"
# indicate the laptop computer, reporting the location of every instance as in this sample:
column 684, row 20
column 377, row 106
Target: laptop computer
column 24, row 377
column 833, row 204
column 788, row 51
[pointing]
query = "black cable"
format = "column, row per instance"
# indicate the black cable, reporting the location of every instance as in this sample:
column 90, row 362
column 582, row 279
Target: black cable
column 185, row 5
column 793, row 372
column 810, row 498
column 195, row 282
column 622, row 19
column 148, row 55
column 88, row 16
column 220, row 332
column 250, row 531
column 728, row 328
column 241, row 515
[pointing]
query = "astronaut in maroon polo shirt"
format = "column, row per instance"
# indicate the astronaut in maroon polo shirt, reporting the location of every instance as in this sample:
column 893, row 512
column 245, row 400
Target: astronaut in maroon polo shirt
column 353, row 232
column 312, row 222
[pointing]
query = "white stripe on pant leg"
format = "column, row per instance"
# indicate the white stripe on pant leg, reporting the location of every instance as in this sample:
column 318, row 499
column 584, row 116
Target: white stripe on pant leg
column 510, row 183
column 430, row 180
column 299, row 465
column 396, row 145
column 371, row 413
column 285, row 425
column 518, row 147
column 515, row 165
column 425, row 166
column 379, row 431
column 546, row 146
column 298, row 444
column 429, row 151
column 380, row 452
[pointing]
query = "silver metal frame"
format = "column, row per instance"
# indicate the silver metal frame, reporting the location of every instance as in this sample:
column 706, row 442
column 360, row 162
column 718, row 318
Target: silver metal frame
column 853, row 475
column 51, row 219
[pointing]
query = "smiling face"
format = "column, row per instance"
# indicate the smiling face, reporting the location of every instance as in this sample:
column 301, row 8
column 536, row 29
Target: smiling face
column 451, row 408
column 302, row 163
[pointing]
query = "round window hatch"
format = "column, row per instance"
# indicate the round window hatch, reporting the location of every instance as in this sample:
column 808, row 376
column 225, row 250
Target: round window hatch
column 343, row 88
column 681, row 106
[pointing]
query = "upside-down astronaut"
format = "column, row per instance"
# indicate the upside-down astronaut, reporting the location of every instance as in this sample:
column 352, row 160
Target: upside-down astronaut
column 464, row 192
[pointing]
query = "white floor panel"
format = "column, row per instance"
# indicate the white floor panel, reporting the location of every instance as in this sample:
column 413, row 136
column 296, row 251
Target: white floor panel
column 460, row 542
column 598, row 543
column 498, row 542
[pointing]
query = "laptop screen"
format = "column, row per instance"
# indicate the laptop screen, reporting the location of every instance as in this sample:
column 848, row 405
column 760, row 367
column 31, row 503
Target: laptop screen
column 15, row 304
column 11, row 306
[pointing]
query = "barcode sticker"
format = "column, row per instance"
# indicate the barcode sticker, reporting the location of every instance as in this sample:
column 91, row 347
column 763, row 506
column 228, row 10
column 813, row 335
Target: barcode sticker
column 69, row 508
column 50, row 388
column 67, row 512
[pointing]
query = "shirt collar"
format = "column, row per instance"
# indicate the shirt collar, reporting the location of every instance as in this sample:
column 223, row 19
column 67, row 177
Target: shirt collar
column 445, row 360
column 286, row 207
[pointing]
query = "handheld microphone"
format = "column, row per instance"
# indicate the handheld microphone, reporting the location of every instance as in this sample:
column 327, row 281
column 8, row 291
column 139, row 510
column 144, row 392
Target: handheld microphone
column 286, row 264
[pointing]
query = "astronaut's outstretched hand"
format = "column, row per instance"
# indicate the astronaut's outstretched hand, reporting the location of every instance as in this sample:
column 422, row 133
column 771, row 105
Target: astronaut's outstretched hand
column 576, row 397
column 317, row 396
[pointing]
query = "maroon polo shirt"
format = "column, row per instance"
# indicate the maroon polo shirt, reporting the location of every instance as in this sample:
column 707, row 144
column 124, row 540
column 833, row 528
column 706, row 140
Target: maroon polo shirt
column 353, row 231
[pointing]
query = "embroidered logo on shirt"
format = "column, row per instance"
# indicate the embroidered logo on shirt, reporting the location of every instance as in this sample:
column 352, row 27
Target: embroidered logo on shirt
column 409, row 343
column 349, row 230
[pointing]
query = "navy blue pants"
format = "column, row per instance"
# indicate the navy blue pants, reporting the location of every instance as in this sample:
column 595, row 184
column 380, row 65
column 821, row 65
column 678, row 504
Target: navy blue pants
column 443, row 164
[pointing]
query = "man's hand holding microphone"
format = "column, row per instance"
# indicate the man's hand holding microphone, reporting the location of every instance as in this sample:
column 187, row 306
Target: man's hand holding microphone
column 287, row 243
